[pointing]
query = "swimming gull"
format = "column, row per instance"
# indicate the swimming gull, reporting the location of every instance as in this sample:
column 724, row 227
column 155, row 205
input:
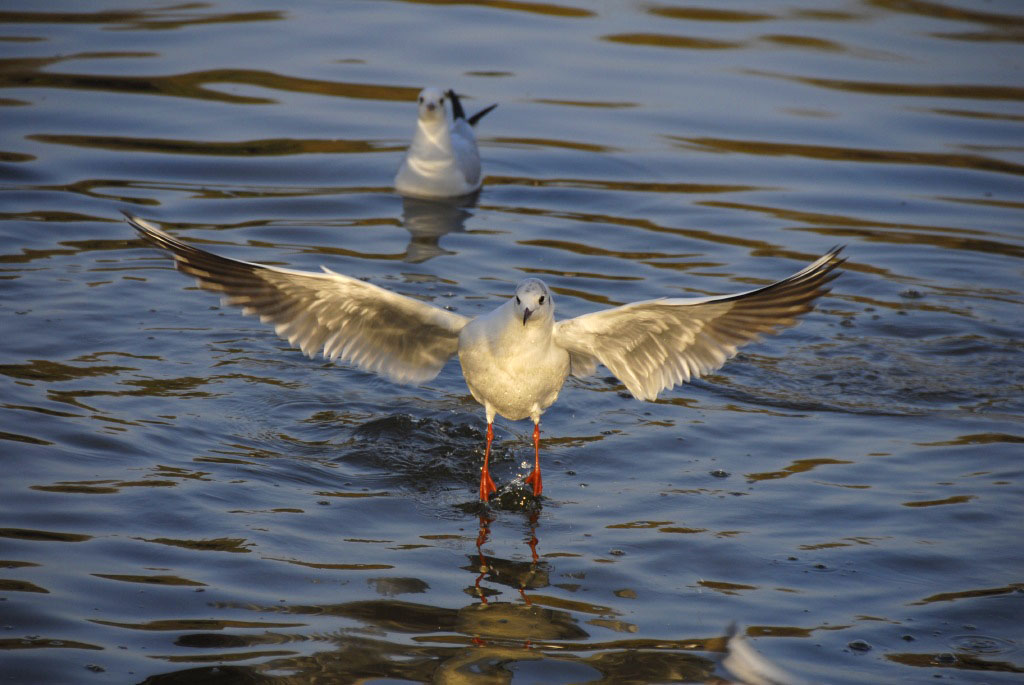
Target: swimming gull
column 514, row 358
column 442, row 160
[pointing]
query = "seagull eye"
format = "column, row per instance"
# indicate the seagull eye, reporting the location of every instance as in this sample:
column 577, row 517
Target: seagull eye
column 541, row 300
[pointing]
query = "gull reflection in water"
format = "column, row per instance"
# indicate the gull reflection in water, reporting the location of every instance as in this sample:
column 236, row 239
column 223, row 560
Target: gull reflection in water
column 520, row 575
column 542, row 638
column 428, row 220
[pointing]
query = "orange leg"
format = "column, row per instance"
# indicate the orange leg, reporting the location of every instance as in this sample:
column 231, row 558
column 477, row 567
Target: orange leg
column 534, row 477
column 486, row 484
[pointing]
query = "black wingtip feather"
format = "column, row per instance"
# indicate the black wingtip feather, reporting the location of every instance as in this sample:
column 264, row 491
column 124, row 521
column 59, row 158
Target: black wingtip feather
column 802, row 288
column 155, row 236
column 457, row 111
column 480, row 115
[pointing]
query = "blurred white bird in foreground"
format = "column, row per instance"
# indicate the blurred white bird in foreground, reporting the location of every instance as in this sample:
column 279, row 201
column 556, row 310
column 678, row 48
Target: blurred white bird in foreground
column 749, row 667
column 442, row 160
column 516, row 357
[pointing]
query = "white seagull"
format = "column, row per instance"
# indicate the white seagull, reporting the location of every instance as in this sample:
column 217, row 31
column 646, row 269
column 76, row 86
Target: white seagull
column 749, row 667
column 442, row 160
column 515, row 358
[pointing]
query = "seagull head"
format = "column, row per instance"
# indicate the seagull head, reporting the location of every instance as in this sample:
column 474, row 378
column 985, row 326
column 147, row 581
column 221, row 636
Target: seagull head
column 431, row 104
column 532, row 301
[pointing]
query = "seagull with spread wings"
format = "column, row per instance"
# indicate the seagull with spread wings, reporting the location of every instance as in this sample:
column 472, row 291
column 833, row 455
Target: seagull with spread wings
column 516, row 357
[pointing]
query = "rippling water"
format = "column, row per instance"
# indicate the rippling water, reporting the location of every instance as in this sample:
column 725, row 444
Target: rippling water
column 187, row 499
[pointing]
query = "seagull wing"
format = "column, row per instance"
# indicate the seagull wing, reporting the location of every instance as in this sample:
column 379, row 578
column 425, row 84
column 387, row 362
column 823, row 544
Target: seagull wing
column 406, row 340
column 480, row 115
column 459, row 113
column 745, row 664
column 657, row 344
column 467, row 156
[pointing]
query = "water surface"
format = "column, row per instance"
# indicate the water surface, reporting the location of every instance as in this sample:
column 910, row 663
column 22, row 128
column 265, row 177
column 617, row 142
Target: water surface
column 186, row 498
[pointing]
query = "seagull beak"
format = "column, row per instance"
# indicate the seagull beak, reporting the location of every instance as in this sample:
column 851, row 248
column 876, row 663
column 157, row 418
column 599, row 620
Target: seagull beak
column 526, row 315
